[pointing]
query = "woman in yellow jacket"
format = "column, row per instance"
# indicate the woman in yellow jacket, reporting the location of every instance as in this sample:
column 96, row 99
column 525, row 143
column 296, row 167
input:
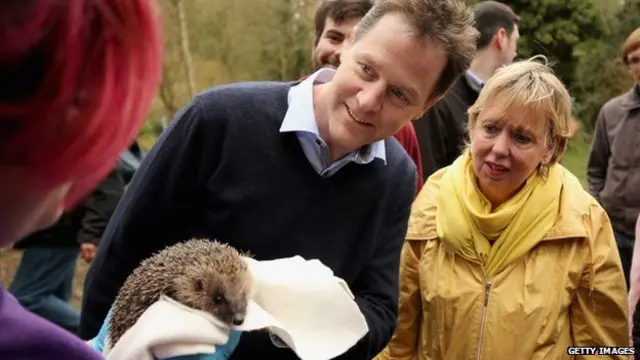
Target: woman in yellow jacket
column 507, row 257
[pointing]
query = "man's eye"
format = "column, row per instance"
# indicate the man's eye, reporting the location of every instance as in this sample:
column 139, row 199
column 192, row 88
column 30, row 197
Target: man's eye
column 399, row 94
column 366, row 68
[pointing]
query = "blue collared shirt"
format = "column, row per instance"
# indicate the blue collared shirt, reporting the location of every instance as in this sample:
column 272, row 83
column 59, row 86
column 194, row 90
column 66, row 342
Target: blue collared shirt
column 300, row 119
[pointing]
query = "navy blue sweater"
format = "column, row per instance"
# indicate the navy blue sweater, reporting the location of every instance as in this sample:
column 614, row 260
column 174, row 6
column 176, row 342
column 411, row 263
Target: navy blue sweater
column 223, row 170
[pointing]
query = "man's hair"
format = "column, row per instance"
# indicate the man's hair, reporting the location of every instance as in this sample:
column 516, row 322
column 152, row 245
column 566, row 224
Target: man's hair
column 491, row 16
column 532, row 86
column 447, row 22
column 78, row 78
column 338, row 11
column 631, row 44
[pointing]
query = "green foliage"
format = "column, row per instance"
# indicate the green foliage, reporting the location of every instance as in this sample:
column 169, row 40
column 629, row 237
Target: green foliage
column 581, row 38
column 236, row 40
column 555, row 27
column 599, row 73
column 627, row 20
column 229, row 41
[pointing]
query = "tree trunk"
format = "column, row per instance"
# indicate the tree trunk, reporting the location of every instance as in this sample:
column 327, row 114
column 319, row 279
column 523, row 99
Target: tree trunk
column 185, row 51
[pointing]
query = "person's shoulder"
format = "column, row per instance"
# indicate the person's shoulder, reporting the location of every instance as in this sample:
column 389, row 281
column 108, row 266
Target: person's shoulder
column 578, row 207
column 398, row 161
column 574, row 194
column 247, row 93
column 615, row 105
column 240, row 105
column 422, row 223
column 34, row 335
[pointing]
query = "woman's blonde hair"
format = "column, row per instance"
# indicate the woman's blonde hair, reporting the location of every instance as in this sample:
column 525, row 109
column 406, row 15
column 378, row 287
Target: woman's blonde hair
column 531, row 84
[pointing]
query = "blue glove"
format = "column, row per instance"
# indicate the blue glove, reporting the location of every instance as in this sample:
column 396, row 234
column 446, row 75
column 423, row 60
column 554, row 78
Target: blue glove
column 223, row 352
column 97, row 343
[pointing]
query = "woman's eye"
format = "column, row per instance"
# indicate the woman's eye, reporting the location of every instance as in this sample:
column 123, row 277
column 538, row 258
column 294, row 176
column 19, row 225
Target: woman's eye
column 366, row 68
column 522, row 138
column 491, row 129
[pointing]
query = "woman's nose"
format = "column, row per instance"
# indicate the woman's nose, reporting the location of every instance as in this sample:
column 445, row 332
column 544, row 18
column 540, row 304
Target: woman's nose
column 502, row 144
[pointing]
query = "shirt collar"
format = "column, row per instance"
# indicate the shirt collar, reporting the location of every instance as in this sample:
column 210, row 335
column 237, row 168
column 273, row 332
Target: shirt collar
column 474, row 80
column 300, row 116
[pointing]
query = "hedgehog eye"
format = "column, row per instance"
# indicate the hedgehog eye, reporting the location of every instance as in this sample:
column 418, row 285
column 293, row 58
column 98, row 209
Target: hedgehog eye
column 199, row 285
column 218, row 299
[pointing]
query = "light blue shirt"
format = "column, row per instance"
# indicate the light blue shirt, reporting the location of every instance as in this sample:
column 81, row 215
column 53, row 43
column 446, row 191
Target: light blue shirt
column 301, row 119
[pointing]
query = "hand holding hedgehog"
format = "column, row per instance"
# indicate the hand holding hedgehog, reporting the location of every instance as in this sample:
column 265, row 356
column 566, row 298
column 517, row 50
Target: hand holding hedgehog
column 203, row 275
column 191, row 297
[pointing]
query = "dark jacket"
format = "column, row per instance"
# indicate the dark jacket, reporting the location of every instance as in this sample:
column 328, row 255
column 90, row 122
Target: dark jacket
column 129, row 161
column 442, row 129
column 613, row 168
column 86, row 222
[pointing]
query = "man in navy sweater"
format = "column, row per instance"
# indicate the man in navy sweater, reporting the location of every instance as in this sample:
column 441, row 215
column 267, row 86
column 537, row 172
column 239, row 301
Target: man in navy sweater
column 309, row 168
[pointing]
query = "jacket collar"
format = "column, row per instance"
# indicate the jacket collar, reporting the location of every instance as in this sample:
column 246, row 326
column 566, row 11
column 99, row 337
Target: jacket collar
column 631, row 99
column 575, row 207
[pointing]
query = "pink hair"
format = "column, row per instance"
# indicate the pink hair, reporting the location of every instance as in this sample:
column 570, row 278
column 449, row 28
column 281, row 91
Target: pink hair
column 77, row 79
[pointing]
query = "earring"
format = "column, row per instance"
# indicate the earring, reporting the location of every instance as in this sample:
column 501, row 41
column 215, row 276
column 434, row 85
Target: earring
column 543, row 169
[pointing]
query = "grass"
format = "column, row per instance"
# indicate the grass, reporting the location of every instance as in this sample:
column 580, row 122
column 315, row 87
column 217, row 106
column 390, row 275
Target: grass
column 575, row 160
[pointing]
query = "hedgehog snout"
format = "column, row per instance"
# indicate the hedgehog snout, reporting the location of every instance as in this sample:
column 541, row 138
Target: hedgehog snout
column 238, row 319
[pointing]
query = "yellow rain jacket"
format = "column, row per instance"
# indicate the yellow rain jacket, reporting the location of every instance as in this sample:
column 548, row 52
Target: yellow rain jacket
column 568, row 290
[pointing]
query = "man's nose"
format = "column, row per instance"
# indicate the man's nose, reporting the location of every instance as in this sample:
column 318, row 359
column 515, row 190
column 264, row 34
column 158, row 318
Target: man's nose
column 370, row 97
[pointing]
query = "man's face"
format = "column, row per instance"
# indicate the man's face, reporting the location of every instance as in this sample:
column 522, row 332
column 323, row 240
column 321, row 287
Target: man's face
column 378, row 88
column 333, row 41
column 633, row 63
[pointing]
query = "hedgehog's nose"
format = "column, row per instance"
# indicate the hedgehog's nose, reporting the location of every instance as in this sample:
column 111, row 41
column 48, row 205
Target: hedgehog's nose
column 238, row 319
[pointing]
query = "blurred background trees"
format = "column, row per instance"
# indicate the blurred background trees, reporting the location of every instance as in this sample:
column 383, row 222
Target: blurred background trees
column 211, row 42
column 220, row 41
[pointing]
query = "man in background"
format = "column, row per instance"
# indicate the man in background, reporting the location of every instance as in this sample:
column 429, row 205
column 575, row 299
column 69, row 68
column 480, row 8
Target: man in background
column 442, row 130
column 613, row 166
column 335, row 21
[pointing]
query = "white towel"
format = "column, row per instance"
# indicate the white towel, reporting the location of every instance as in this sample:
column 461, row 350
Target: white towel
column 300, row 301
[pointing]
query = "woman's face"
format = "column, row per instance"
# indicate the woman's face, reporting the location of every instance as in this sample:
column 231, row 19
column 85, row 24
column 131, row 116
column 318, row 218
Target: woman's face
column 507, row 145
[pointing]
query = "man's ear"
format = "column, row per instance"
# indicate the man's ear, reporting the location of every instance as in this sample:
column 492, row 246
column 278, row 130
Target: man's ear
column 501, row 39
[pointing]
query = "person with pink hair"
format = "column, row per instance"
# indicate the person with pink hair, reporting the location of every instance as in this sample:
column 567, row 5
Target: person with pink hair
column 77, row 79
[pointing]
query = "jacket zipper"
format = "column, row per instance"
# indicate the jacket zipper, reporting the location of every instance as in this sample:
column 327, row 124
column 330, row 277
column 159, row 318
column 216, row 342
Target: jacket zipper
column 487, row 292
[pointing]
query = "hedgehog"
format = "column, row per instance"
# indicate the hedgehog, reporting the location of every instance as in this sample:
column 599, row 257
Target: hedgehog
column 199, row 273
